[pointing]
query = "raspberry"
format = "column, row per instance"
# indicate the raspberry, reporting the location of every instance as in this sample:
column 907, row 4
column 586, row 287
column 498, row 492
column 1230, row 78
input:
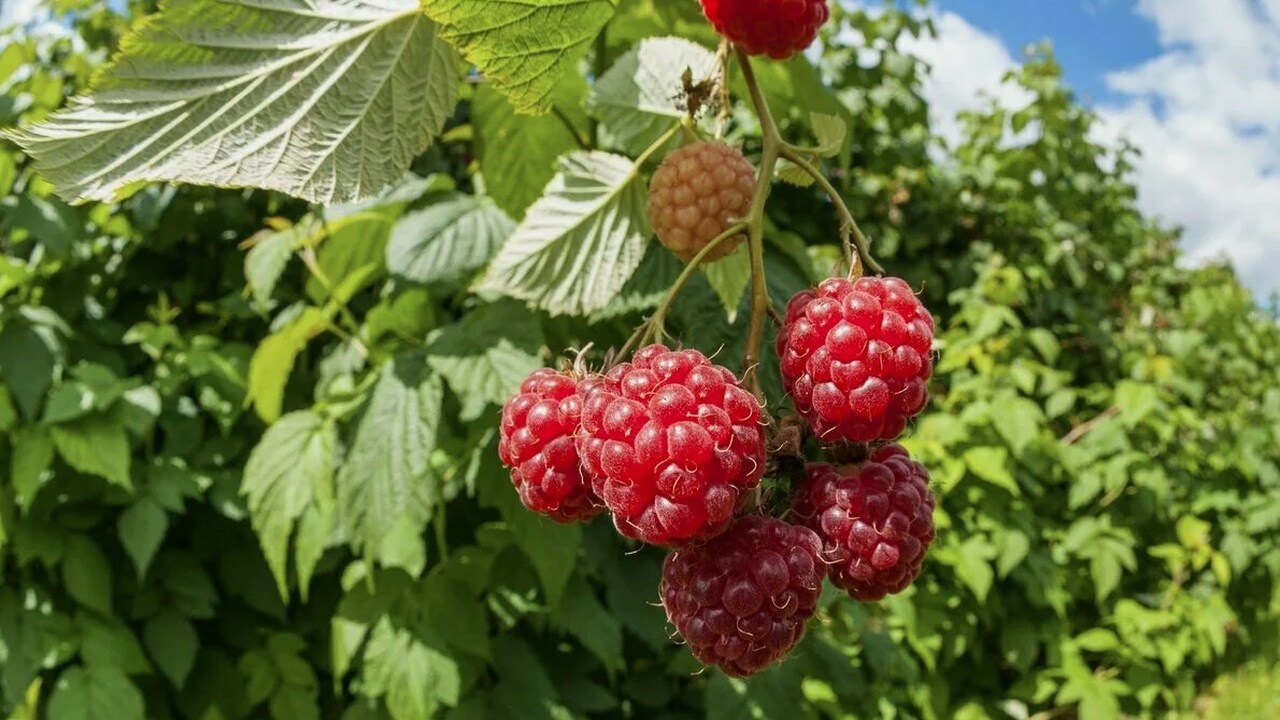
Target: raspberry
column 742, row 600
column 875, row 521
column 696, row 193
column 672, row 444
column 537, row 443
column 777, row 28
column 855, row 357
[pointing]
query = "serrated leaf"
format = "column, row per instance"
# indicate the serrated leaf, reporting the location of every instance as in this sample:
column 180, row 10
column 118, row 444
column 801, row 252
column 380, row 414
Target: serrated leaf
column 111, row 643
column 485, row 356
column 172, row 641
column 327, row 100
column 831, row 132
column 729, row 277
column 95, row 693
column 638, row 98
column 550, row 35
column 792, row 174
column 580, row 243
column 413, row 677
column 550, row 547
column 290, row 470
column 86, row 574
column 448, row 239
column 29, row 465
column 1018, row 420
column 582, row 615
column 96, row 445
column 273, row 360
column 142, row 528
column 518, row 153
column 387, row 475
column 265, row 263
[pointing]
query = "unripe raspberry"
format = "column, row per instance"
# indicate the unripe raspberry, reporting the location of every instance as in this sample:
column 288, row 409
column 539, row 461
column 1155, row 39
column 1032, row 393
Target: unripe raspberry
column 536, row 440
column 696, row 194
column 875, row 520
column 777, row 28
column 672, row 444
column 855, row 357
column 742, row 600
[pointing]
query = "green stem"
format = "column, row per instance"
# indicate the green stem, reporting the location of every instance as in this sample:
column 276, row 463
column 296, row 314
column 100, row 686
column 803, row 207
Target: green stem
column 659, row 317
column 848, row 226
column 772, row 148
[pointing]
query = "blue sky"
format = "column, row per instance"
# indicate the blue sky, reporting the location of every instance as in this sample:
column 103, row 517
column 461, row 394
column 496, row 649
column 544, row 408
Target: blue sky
column 1194, row 83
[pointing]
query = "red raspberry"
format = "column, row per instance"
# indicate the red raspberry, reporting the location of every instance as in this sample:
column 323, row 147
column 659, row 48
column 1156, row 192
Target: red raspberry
column 696, row 193
column 742, row 600
column 777, row 28
column 672, row 444
column 855, row 357
column 875, row 521
column 537, row 443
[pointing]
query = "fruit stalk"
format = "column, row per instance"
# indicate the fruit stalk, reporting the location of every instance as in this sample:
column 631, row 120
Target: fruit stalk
column 849, row 229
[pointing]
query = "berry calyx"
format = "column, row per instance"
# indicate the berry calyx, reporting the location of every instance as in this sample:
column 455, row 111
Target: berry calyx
column 672, row 443
column 855, row 357
column 777, row 28
column 537, row 442
column 697, row 192
column 875, row 521
column 742, row 600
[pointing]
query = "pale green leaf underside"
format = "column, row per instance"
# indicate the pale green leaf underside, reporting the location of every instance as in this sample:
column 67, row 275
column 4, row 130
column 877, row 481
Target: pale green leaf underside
column 327, row 100
column 639, row 97
column 580, row 243
column 523, row 46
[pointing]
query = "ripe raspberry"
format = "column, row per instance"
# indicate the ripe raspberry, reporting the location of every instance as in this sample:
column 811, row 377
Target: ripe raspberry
column 875, row 521
column 537, row 443
column 697, row 192
column 855, row 357
column 742, row 600
column 672, row 444
column 777, row 28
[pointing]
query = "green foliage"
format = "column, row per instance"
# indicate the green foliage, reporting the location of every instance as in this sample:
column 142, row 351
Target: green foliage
column 260, row 480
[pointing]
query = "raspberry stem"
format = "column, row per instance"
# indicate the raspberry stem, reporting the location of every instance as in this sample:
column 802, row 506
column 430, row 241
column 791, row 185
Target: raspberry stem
column 848, row 226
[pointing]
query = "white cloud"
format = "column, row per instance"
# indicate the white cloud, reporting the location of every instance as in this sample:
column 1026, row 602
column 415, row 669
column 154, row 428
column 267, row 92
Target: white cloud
column 20, row 12
column 1206, row 114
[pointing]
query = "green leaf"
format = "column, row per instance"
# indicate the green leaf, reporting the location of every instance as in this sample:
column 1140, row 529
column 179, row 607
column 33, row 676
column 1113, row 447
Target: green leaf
column 8, row 413
column 49, row 221
column 172, row 641
column 413, row 677
column 96, row 445
column 486, row 355
column 98, row 692
column 387, row 475
column 992, row 464
column 32, row 454
column 86, row 574
column 29, row 358
column 582, row 615
column 550, row 547
column 1097, row 640
column 973, row 568
column 792, row 174
column 1136, row 401
column 328, row 101
column 273, row 360
column 1013, row 551
column 1018, row 420
column 266, row 260
column 638, row 98
column 578, row 245
column 831, row 132
column 110, row 643
column 142, row 528
column 518, row 153
column 447, row 240
column 290, row 470
column 456, row 615
column 729, row 277
column 524, row 46
column 352, row 252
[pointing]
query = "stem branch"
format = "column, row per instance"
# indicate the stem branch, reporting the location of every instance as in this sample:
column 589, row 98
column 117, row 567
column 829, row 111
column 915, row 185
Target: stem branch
column 848, row 226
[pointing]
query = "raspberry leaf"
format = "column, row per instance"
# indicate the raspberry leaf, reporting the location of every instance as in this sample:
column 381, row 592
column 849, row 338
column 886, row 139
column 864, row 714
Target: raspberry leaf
column 447, row 239
column 327, row 100
column 100, row 692
column 386, row 478
column 551, row 35
column 640, row 96
column 729, row 277
column 581, row 242
column 486, row 355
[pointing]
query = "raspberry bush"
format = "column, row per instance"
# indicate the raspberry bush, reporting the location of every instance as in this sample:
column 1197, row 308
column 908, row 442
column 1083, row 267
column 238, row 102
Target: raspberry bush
column 303, row 309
